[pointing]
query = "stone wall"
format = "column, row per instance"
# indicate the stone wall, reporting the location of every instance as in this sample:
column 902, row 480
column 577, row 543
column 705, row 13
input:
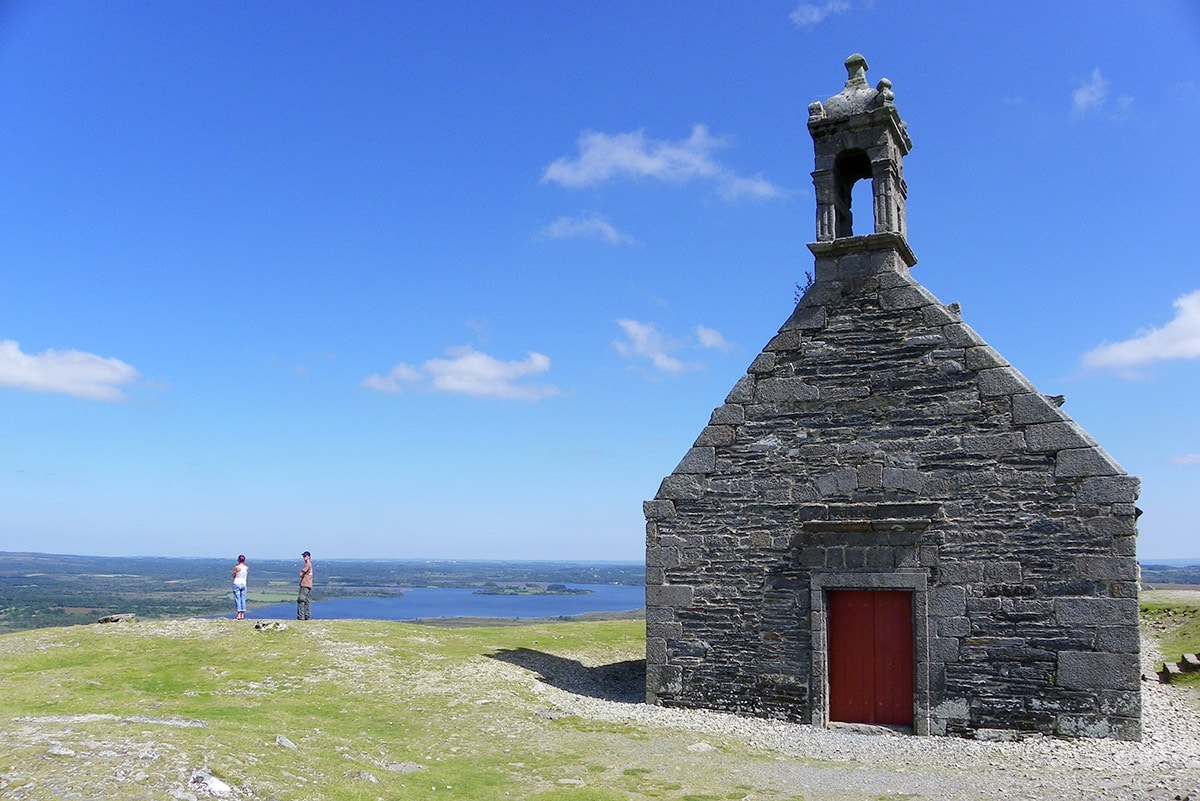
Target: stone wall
column 878, row 441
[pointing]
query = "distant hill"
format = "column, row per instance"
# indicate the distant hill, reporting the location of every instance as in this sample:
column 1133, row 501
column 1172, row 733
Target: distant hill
column 1154, row 574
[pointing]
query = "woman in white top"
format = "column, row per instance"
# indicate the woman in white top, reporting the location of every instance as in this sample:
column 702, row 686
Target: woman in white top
column 240, row 571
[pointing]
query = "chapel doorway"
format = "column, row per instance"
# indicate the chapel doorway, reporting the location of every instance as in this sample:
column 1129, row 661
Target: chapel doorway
column 871, row 657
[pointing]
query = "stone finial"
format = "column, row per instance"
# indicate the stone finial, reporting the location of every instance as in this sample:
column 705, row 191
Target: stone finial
column 883, row 91
column 856, row 96
column 856, row 69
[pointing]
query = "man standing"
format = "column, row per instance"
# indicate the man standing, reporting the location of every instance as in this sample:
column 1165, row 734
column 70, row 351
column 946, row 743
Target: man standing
column 304, row 599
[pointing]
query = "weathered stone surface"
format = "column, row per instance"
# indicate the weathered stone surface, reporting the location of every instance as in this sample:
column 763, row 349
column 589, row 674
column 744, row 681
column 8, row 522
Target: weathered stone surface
column 1085, row 670
column 1081, row 612
column 658, row 510
column 764, row 363
column 948, row 601
column 774, row 390
column 806, row 318
column 681, row 487
column 1080, row 462
column 669, row 595
column 715, row 435
column 728, row 415
column 697, row 460
column 1001, row 381
column 1117, row 489
column 1032, row 407
column 1052, row 437
column 983, row 358
column 1107, row 568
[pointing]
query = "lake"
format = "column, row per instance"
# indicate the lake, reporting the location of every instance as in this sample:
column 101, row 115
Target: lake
column 423, row 603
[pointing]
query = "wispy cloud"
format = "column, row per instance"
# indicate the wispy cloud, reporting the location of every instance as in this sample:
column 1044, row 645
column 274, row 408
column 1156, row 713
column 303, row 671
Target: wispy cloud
column 1090, row 95
column 1186, row 461
column 647, row 341
column 470, row 372
column 593, row 226
column 603, row 157
column 1178, row 339
column 393, row 382
column 1093, row 96
column 808, row 14
column 711, row 338
column 68, row 372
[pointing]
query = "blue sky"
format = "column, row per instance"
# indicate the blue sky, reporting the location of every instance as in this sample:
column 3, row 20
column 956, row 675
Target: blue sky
column 465, row 279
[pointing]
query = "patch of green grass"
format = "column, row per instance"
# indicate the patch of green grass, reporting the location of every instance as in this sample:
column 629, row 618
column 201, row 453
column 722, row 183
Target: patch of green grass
column 1175, row 625
column 578, row 794
column 374, row 709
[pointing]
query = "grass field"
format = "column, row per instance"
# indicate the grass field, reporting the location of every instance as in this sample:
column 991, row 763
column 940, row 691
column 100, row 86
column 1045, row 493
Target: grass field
column 373, row 710
column 367, row 710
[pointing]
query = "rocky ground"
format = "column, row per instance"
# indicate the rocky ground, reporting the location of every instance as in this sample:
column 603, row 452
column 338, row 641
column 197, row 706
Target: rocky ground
column 793, row 761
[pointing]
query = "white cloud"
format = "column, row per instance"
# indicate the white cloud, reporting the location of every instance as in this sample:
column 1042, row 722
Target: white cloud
column 711, row 338
column 391, row 383
column 733, row 187
column 807, row 14
column 470, row 372
column 1178, row 339
column 586, row 227
column 1090, row 95
column 1186, row 461
column 69, row 372
column 603, row 157
column 645, row 340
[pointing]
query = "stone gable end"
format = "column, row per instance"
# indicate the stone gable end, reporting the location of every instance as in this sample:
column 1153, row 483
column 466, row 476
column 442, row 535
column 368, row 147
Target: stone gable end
column 878, row 444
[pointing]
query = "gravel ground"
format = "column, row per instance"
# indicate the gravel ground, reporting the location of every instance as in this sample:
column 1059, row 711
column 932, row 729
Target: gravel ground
column 885, row 764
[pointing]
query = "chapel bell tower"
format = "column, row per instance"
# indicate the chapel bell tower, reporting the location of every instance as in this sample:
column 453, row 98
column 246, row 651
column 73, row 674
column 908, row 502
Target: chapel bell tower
column 858, row 135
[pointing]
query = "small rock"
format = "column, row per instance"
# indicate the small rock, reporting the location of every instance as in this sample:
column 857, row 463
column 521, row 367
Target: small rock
column 205, row 782
column 280, row 740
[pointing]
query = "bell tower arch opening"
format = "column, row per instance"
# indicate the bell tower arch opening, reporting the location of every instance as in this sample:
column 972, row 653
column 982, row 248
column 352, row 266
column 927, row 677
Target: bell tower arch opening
column 850, row 167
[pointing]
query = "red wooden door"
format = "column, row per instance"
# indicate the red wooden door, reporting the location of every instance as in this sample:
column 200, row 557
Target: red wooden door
column 871, row 657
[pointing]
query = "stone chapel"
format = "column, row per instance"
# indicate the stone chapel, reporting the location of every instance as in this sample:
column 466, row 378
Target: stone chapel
column 885, row 522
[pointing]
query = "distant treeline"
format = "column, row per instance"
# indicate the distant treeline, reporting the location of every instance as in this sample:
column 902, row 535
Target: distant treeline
column 1170, row 574
column 39, row 590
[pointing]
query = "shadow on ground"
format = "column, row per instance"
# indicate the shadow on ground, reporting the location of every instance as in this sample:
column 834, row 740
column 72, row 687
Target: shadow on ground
column 624, row 682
